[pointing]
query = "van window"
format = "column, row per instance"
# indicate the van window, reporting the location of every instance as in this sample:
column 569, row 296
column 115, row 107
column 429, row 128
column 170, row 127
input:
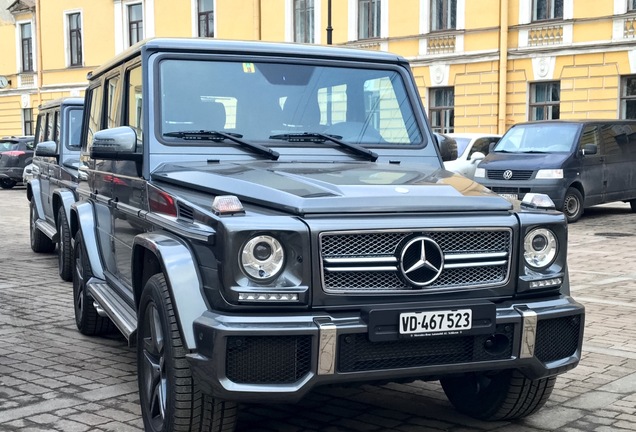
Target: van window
column 538, row 138
column 618, row 139
column 589, row 136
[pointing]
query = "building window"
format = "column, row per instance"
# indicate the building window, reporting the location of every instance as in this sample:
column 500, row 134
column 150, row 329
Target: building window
column 443, row 14
column 304, row 21
column 368, row 19
column 26, row 38
column 547, row 9
column 206, row 18
column 135, row 23
column 545, row 100
column 631, row 5
column 27, row 119
column 628, row 97
column 75, row 39
column 442, row 109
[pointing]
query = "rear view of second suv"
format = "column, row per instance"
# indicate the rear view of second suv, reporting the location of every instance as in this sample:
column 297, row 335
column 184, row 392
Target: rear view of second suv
column 15, row 154
column 52, row 190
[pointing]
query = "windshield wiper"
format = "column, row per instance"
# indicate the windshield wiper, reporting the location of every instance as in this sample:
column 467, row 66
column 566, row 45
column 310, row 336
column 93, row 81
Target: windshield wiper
column 321, row 137
column 220, row 136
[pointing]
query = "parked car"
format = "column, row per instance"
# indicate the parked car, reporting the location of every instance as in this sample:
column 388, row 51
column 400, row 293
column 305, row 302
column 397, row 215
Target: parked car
column 578, row 164
column 16, row 153
column 55, row 171
column 471, row 149
column 261, row 219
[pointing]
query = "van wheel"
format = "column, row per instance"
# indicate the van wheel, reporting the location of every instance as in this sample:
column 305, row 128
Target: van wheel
column 504, row 395
column 573, row 205
column 169, row 396
column 39, row 241
column 88, row 321
column 64, row 253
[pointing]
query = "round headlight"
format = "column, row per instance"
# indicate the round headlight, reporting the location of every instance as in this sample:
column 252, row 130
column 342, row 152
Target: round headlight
column 262, row 258
column 540, row 248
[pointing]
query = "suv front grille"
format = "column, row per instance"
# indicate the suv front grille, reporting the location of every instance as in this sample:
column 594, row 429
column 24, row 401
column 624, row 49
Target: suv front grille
column 369, row 261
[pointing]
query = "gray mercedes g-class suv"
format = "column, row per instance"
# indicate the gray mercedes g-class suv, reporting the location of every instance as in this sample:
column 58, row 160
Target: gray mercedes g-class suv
column 261, row 219
column 55, row 175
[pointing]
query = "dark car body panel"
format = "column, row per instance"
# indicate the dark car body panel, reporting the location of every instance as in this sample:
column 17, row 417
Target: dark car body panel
column 15, row 154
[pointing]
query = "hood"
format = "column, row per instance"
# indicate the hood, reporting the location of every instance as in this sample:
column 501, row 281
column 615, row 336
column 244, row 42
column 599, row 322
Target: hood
column 321, row 188
column 523, row 161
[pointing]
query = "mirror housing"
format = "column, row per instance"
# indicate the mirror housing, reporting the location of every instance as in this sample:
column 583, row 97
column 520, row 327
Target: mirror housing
column 589, row 149
column 117, row 143
column 476, row 157
column 447, row 147
column 46, row 148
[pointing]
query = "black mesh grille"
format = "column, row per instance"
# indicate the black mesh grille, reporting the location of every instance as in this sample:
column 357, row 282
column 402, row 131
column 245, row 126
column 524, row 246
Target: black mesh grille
column 557, row 338
column 499, row 189
column 474, row 270
column 268, row 359
column 185, row 212
column 357, row 353
column 516, row 174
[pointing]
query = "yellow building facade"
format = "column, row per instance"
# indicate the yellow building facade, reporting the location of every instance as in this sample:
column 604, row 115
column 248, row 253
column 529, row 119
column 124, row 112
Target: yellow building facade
column 480, row 65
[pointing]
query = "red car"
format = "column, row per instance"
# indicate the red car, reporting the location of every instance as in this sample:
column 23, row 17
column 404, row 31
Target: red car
column 15, row 154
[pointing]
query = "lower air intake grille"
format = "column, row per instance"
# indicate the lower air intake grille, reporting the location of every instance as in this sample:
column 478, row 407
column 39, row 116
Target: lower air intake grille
column 357, row 353
column 557, row 338
column 268, row 359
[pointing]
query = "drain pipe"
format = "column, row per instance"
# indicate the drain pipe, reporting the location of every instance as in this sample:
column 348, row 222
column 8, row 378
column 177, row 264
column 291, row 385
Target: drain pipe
column 503, row 65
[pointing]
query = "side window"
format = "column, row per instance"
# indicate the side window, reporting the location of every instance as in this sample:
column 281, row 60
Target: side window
column 617, row 139
column 590, row 136
column 57, row 128
column 50, row 127
column 40, row 128
column 482, row 145
column 94, row 111
column 134, row 101
column 111, row 101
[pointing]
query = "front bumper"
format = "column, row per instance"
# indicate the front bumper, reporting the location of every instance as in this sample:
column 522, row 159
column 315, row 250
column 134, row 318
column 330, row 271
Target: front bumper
column 280, row 358
column 12, row 173
column 554, row 188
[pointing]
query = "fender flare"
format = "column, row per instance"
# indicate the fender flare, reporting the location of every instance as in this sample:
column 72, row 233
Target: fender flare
column 178, row 265
column 34, row 195
column 83, row 219
column 66, row 198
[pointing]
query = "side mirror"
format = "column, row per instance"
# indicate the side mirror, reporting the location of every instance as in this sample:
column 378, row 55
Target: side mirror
column 589, row 149
column 447, row 147
column 46, row 148
column 117, row 143
column 476, row 157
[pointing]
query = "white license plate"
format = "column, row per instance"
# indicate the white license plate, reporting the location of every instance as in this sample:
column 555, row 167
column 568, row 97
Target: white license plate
column 509, row 196
column 434, row 322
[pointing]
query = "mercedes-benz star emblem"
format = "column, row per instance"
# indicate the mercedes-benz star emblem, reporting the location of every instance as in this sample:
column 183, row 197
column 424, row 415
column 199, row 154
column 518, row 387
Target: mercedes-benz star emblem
column 422, row 261
column 507, row 175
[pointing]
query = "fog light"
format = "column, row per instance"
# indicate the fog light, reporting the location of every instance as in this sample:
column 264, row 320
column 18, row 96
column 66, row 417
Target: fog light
column 267, row 297
column 546, row 283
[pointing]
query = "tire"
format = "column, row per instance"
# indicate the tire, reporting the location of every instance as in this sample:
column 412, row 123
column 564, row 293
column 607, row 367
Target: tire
column 504, row 395
column 169, row 396
column 573, row 205
column 632, row 204
column 88, row 321
column 64, row 252
column 39, row 241
column 7, row 183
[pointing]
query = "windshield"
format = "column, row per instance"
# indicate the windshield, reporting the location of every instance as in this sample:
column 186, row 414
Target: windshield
column 538, row 138
column 262, row 101
column 462, row 143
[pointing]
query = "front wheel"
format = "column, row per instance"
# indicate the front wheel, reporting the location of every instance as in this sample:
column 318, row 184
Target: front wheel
column 7, row 183
column 88, row 321
column 573, row 205
column 170, row 398
column 39, row 241
column 64, row 252
column 495, row 396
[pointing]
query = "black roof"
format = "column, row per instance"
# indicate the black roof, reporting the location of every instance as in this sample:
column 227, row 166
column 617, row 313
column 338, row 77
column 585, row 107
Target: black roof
column 223, row 46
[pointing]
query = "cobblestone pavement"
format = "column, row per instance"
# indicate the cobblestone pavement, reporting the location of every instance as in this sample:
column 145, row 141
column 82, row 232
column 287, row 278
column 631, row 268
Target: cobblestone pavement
column 52, row 378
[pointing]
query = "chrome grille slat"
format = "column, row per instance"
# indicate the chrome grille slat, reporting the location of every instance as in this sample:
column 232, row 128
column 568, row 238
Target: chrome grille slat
column 356, row 262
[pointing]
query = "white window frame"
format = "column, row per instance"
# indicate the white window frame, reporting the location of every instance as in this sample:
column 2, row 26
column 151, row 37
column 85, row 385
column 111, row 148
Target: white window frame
column 121, row 21
column 194, row 7
column 289, row 21
column 18, row 45
column 352, row 10
column 67, row 42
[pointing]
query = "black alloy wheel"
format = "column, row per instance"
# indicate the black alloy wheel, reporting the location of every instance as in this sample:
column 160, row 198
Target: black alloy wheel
column 64, row 251
column 39, row 241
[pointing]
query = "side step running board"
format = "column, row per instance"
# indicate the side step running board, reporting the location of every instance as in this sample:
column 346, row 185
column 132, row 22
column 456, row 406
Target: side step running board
column 122, row 315
column 47, row 229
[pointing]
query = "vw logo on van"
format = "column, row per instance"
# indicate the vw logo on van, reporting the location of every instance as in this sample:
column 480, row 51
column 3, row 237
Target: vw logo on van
column 507, row 175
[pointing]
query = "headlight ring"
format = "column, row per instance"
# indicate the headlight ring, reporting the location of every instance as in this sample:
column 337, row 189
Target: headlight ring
column 540, row 248
column 262, row 258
